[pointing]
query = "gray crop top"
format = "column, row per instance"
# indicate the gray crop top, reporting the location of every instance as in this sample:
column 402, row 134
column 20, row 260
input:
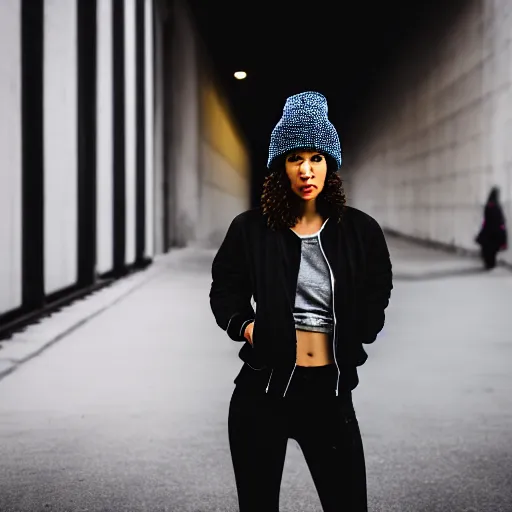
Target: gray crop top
column 313, row 299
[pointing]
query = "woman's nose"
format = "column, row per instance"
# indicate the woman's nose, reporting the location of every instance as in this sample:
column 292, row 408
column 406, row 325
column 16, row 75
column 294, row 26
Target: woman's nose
column 305, row 168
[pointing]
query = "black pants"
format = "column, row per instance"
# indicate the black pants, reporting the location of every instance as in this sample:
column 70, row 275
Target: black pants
column 325, row 427
column 489, row 257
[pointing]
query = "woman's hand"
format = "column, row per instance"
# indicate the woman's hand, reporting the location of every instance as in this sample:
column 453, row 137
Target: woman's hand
column 248, row 332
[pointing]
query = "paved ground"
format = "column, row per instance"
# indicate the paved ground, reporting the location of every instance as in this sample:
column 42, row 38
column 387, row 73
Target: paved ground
column 128, row 411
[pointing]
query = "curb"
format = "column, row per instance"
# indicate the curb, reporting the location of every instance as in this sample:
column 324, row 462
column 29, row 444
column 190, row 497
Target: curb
column 470, row 254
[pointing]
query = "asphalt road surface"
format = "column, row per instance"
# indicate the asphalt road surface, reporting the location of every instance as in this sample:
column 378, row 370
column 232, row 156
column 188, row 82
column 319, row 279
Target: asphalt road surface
column 129, row 412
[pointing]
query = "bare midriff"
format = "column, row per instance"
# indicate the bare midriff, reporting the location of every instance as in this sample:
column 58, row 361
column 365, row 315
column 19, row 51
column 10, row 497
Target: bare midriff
column 313, row 348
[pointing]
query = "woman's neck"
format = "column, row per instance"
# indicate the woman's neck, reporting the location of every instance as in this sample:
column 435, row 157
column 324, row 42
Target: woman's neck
column 309, row 213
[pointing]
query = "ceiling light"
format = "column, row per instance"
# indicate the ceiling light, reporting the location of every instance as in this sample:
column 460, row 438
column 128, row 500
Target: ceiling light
column 240, row 75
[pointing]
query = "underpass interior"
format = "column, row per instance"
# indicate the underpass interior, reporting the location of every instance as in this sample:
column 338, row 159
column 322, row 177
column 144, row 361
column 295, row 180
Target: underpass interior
column 118, row 400
column 420, row 94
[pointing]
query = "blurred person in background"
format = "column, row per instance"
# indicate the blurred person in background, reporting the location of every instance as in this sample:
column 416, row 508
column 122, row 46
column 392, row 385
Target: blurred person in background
column 320, row 275
column 492, row 237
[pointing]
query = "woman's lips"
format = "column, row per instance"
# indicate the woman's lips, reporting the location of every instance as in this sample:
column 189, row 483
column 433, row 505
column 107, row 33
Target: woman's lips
column 307, row 188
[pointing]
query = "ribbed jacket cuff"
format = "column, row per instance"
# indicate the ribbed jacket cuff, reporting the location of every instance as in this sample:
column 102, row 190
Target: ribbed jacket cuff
column 236, row 326
column 244, row 325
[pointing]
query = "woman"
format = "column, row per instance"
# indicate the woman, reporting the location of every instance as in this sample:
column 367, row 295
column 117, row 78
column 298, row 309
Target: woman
column 492, row 237
column 320, row 276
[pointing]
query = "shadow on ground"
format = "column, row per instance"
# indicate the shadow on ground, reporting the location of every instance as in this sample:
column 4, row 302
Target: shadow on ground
column 442, row 274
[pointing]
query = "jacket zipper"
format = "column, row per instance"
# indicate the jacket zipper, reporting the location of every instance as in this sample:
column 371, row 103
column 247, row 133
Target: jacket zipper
column 290, row 379
column 294, row 366
column 268, row 384
column 333, row 313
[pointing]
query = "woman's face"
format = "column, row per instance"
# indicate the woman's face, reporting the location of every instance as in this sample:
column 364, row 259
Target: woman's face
column 307, row 171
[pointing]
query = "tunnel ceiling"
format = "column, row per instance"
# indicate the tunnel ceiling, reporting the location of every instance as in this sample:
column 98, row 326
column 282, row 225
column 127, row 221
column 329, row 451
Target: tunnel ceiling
column 338, row 48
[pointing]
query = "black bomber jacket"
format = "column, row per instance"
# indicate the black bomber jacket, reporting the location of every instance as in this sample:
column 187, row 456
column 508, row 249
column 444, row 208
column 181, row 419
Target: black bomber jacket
column 257, row 264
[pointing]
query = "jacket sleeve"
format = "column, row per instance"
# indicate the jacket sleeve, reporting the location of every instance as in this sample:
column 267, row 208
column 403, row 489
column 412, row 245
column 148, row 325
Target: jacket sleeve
column 230, row 292
column 378, row 285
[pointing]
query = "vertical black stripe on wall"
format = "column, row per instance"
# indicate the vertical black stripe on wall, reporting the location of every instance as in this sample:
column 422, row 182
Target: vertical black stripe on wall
column 119, row 178
column 32, row 56
column 86, row 58
column 140, row 198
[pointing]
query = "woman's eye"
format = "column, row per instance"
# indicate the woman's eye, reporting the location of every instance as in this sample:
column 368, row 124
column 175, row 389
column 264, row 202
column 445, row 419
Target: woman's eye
column 293, row 158
column 317, row 158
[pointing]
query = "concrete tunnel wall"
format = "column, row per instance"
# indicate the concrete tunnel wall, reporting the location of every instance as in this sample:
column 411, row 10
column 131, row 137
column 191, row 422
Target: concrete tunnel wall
column 170, row 130
column 209, row 160
column 438, row 132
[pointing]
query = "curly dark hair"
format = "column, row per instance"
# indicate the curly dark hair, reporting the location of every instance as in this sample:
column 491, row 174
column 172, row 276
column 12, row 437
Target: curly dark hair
column 282, row 207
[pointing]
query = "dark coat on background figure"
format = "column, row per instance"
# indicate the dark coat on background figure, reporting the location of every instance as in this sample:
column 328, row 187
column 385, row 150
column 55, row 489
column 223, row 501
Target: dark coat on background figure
column 492, row 237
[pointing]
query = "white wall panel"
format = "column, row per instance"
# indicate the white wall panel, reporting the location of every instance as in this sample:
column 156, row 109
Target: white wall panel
column 149, row 164
column 130, row 131
column 10, row 156
column 60, row 144
column 104, row 140
column 159, row 135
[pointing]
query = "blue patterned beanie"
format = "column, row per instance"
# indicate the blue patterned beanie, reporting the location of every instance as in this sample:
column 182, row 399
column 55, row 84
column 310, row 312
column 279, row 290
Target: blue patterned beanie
column 304, row 125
